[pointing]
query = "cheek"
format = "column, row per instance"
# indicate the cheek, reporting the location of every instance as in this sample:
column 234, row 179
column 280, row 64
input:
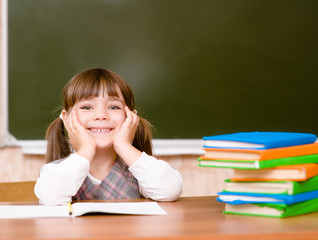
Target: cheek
column 120, row 117
column 82, row 118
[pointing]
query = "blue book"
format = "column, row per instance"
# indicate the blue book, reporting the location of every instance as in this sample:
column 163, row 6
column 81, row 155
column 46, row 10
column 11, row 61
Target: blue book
column 243, row 197
column 258, row 140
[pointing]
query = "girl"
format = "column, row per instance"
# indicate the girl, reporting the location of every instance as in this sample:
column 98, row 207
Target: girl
column 99, row 148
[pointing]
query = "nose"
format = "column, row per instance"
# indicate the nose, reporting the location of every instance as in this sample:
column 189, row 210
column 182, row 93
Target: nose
column 101, row 114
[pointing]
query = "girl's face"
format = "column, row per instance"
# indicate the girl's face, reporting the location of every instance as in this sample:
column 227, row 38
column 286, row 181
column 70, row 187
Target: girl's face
column 102, row 116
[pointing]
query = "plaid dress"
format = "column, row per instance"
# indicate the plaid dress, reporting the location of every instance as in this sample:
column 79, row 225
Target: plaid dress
column 118, row 184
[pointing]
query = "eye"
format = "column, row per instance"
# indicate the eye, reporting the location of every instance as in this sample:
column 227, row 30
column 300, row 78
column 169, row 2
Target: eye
column 114, row 107
column 86, row 107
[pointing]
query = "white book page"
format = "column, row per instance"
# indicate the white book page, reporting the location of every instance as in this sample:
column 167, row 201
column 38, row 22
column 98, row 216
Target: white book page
column 80, row 208
column 270, row 174
column 232, row 144
column 137, row 208
column 232, row 155
column 32, row 211
column 260, row 187
column 251, row 165
column 232, row 198
column 253, row 209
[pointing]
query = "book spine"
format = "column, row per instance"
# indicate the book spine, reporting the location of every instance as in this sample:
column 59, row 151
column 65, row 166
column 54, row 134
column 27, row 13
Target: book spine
column 289, row 161
column 306, row 186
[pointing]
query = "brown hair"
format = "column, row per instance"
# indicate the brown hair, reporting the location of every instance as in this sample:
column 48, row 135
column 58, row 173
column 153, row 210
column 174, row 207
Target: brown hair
column 89, row 84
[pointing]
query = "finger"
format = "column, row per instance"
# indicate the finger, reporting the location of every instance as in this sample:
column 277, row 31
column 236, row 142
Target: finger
column 73, row 122
column 76, row 124
column 129, row 117
column 135, row 121
column 135, row 117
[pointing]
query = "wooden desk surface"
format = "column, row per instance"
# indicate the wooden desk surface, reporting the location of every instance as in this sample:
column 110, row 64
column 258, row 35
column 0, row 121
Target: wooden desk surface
column 188, row 218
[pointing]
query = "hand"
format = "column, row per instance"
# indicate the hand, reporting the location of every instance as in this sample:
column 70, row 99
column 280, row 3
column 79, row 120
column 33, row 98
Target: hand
column 126, row 133
column 124, row 138
column 80, row 139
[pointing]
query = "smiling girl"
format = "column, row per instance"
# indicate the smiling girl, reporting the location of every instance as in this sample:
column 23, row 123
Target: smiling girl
column 99, row 148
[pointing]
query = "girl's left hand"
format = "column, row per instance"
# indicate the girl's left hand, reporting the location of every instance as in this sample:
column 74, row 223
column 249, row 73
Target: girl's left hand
column 126, row 133
column 123, row 139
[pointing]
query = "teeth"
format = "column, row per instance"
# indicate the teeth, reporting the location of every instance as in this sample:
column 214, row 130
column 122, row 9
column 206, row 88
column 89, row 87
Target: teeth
column 101, row 130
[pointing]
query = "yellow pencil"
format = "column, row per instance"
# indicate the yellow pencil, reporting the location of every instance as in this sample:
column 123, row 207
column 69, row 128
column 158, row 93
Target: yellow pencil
column 69, row 206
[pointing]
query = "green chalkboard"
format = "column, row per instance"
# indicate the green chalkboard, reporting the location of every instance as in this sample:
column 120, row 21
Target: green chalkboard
column 197, row 67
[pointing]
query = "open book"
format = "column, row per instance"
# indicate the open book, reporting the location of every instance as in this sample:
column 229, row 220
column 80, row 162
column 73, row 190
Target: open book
column 79, row 209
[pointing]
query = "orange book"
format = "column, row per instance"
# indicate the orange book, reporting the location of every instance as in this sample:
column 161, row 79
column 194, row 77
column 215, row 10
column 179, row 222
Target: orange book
column 254, row 154
column 300, row 172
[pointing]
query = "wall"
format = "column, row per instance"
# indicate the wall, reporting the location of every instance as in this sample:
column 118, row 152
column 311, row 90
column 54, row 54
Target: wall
column 197, row 181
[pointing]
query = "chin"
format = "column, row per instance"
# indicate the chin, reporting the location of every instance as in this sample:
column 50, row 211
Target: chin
column 103, row 145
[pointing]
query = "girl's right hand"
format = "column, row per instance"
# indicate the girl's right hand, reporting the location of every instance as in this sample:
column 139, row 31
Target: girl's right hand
column 80, row 139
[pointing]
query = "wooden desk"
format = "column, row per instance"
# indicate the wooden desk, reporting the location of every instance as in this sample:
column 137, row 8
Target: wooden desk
column 188, row 218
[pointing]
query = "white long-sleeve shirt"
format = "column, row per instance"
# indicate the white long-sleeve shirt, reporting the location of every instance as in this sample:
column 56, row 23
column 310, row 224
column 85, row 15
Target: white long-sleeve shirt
column 60, row 180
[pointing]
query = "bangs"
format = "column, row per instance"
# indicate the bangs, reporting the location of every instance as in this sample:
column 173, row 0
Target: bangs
column 94, row 88
column 90, row 84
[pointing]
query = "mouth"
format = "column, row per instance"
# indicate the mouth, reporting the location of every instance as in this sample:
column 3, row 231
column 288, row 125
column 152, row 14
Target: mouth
column 100, row 130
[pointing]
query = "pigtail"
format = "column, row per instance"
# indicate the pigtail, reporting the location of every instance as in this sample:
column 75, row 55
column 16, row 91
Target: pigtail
column 57, row 143
column 143, row 137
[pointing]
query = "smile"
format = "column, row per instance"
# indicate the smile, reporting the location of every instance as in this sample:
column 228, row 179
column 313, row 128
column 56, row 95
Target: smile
column 100, row 130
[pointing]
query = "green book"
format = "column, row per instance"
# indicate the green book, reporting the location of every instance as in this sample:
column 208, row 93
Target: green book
column 258, row 164
column 274, row 187
column 273, row 210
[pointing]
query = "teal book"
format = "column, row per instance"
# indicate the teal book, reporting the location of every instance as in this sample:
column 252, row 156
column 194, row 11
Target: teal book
column 258, row 164
column 259, row 140
column 272, row 187
column 273, row 210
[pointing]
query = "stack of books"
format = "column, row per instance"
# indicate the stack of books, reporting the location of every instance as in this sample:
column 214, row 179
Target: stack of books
column 275, row 173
